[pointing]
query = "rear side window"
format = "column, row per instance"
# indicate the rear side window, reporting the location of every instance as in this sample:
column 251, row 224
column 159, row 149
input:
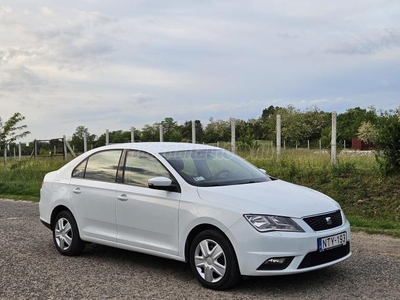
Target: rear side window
column 101, row 166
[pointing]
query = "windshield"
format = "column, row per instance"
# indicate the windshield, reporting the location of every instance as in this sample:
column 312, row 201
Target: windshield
column 213, row 167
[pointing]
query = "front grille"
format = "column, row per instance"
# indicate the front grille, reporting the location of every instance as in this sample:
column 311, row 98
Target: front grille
column 322, row 222
column 318, row 258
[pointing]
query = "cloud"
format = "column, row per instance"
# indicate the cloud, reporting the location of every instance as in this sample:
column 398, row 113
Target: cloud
column 287, row 35
column 78, row 41
column 19, row 78
column 120, row 64
column 46, row 11
column 140, row 99
column 368, row 42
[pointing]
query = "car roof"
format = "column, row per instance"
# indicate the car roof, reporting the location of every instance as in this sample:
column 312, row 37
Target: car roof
column 158, row 147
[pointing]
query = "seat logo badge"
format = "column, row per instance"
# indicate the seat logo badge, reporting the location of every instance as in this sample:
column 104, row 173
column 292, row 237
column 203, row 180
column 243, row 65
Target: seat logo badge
column 328, row 220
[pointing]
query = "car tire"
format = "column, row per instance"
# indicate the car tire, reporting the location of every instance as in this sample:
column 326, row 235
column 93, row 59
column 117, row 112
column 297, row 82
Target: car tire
column 66, row 235
column 213, row 260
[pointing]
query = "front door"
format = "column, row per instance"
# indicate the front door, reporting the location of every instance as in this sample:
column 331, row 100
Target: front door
column 146, row 218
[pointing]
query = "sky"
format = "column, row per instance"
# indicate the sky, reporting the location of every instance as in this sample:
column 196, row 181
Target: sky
column 121, row 64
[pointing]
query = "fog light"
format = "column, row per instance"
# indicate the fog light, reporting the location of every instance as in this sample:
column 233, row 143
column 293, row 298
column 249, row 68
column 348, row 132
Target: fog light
column 275, row 260
column 276, row 263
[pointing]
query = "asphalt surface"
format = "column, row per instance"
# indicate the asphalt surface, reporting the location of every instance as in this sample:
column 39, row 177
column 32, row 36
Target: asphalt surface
column 31, row 268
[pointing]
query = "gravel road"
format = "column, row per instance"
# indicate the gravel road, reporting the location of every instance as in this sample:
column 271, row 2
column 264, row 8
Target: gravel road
column 31, row 268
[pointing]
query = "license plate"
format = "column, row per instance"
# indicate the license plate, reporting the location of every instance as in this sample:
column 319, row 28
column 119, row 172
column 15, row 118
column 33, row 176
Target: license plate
column 332, row 241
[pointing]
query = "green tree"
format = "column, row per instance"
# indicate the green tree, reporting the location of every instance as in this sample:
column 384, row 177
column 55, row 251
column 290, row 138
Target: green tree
column 291, row 123
column 186, row 131
column 11, row 131
column 269, row 112
column 367, row 132
column 350, row 121
column 171, row 130
column 77, row 138
column 264, row 129
column 218, row 130
column 150, row 133
column 388, row 142
column 117, row 136
column 297, row 126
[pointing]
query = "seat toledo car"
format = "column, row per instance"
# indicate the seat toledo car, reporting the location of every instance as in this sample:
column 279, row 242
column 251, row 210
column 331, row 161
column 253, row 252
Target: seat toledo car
column 193, row 203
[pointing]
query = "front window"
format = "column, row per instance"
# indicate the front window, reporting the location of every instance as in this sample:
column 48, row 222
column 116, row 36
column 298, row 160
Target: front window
column 213, row 167
column 141, row 166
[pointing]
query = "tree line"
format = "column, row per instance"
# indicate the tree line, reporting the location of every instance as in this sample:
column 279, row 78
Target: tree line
column 299, row 127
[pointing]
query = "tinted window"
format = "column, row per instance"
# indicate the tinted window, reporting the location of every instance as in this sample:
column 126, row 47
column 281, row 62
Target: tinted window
column 79, row 170
column 141, row 166
column 101, row 166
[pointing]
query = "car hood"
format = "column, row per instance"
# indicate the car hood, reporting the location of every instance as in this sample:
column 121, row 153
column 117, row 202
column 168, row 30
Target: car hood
column 272, row 197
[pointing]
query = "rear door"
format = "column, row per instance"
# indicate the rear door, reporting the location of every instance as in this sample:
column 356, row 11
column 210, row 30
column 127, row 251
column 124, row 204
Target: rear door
column 93, row 192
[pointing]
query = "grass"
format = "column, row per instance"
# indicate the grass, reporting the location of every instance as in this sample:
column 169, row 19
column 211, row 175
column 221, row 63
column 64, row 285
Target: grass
column 371, row 202
column 374, row 226
column 23, row 179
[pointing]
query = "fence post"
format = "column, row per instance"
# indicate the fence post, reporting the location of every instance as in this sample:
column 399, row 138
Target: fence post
column 333, row 142
column 84, row 142
column 132, row 134
column 193, row 132
column 233, row 135
column 5, row 154
column 308, row 144
column 19, row 151
column 278, row 135
column 320, row 144
column 65, row 147
column 35, row 148
column 161, row 134
column 107, row 137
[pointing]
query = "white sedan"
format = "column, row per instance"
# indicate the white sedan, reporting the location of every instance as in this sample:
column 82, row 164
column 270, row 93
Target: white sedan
column 194, row 203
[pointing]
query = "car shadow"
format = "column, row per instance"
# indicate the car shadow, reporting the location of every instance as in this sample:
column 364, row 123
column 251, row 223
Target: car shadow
column 288, row 285
column 178, row 269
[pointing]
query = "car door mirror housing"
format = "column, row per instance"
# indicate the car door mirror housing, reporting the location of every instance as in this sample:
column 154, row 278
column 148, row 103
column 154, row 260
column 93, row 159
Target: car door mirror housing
column 162, row 183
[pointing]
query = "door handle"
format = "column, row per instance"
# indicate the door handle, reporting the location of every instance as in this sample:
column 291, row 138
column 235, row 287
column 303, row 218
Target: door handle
column 123, row 197
column 77, row 191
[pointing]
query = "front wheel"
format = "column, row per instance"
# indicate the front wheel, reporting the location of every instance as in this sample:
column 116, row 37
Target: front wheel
column 213, row 260
column 66, row 235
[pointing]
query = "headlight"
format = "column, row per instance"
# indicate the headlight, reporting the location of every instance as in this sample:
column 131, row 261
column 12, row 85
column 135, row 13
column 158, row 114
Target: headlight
column 266, row 223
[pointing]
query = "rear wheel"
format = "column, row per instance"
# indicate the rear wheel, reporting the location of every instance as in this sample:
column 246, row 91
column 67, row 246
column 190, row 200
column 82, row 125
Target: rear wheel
column 213, row 260
column 66, row 235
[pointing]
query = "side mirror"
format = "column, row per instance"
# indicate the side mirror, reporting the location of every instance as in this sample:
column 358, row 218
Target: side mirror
column 263, row 171
column 162, row 183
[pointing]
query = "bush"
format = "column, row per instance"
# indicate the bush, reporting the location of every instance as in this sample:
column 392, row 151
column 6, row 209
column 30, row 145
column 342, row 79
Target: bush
column 388, row 142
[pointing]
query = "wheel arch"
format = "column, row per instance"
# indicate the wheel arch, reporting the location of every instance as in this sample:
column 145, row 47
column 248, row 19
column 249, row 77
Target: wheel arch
column 56, row 211
column 195, row 231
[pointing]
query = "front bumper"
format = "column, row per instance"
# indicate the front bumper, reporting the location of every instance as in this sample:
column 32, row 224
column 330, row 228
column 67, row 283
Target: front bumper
column 253, row 248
